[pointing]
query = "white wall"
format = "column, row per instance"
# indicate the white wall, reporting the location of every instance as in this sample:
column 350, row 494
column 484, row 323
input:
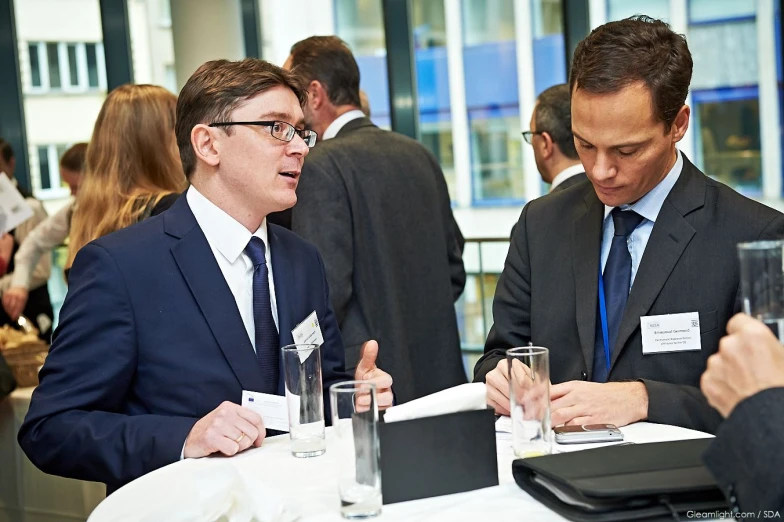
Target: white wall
column 283, row 25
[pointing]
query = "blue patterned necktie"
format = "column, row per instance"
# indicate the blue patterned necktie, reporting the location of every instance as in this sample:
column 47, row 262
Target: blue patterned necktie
column 267, row 341
column 617, row 283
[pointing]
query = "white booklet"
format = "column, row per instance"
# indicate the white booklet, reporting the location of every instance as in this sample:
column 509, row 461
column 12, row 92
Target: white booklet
column 13, row 209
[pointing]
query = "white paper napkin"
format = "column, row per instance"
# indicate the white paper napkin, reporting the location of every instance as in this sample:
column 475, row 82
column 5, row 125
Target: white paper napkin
column 465, row 397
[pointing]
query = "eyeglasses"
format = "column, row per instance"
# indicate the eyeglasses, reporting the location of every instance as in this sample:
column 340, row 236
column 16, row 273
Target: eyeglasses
column 528, row 136
column 278, row 129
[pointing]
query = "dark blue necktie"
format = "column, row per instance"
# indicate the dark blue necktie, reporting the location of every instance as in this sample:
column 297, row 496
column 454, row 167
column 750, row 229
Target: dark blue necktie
column 267, row 341
column 617, row 283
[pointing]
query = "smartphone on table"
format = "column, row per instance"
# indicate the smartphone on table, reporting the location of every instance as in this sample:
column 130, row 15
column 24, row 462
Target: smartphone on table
column 587, row 434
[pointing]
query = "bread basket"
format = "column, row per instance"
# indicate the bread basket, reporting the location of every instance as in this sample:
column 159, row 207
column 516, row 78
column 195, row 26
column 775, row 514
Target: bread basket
column 25, row 354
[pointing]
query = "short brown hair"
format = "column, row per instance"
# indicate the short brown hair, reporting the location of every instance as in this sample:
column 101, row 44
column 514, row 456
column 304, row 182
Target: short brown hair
column 6, row 151
column 328, row 60
column 636, row 49
column 73, row 158
column 216, row 89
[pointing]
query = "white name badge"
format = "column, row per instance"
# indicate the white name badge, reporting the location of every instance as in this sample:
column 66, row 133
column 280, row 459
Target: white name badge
column 308, row 332
column 670, row 333
column 272, row 409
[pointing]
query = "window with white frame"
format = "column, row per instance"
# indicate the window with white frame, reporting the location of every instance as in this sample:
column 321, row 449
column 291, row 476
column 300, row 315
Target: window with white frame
column 66, row 67
column 48, row 185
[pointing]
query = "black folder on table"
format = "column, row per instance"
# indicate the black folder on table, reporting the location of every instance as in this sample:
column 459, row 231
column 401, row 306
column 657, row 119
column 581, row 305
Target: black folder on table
column 659, row 481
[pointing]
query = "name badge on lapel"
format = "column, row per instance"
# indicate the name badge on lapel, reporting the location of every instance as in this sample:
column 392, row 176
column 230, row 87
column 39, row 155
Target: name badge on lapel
column 308, row 332
column 670, row 333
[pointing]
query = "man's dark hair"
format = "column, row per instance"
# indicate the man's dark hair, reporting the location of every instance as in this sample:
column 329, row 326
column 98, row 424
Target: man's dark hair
column 6, row 151
column 216, row 89
column 553, row 115
column 636, row 49
column 328, row 60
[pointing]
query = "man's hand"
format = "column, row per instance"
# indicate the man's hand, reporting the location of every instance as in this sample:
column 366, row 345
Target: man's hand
column 368, row 371
column 580, row 402
column 750, row 359
column 14, row 301
column 497, row 381
column 228, row 429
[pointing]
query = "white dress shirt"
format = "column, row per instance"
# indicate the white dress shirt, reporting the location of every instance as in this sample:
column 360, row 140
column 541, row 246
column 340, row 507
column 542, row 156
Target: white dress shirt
column 227, row 239
column 340, row 122
column 648, row 207
column 567, row 173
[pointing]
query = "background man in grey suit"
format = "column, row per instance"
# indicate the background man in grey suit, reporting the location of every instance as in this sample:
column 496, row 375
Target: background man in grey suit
column 376, row 205
column 745, row 382
column 662, row 233
column 552, row 139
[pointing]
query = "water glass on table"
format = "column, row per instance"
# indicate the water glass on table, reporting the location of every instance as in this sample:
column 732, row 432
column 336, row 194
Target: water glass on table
column 305, row 399
column 355, row 426
column 762, row 282
column 529, row 397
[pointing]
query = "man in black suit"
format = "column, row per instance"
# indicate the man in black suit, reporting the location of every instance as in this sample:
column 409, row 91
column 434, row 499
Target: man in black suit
column 659, row 233
column 745, row 382
column 375, row 204
column 552, row 139
column 7, row 382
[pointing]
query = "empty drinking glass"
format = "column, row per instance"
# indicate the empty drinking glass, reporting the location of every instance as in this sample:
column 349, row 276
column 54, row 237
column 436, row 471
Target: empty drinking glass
column 529, row 396
column 305, row 399
column 355, row 425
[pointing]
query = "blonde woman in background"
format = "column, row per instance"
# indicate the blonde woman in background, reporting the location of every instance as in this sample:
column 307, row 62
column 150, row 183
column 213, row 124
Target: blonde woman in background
column 133, row 168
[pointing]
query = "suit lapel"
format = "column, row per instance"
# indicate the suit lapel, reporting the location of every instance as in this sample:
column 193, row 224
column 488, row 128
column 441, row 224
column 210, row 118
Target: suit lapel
column 203, row 276
column 586, row 241
column 670, row 236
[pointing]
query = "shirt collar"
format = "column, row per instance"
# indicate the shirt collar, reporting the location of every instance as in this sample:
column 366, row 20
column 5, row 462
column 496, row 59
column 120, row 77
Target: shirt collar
column 340, row 122
column 651, row 203
column 223, row 232
column 567, row 173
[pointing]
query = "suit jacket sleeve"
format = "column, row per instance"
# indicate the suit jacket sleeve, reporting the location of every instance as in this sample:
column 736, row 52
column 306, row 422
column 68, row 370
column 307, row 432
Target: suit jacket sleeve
column 333, row 356
column 746, row 457
column 77, row 426
column 324, row 218
column 511, row 304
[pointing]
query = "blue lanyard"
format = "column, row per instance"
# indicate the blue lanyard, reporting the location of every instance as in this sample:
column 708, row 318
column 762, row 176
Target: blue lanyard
column 603, row 315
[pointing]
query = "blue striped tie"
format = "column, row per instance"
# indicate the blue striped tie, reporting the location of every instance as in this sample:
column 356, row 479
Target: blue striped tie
column 267, row 341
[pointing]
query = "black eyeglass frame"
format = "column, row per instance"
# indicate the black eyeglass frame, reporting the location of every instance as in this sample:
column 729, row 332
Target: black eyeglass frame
column 528, row 135
column 307, row 135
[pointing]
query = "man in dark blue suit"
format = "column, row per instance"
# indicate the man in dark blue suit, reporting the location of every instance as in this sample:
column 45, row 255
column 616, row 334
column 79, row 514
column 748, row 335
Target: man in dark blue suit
column 167, row 322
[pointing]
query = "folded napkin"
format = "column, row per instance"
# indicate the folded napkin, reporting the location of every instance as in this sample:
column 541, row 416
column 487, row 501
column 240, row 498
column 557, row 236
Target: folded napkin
column 196, row 490
column 465, row 397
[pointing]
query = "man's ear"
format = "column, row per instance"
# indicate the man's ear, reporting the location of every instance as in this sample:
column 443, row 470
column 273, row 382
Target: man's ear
column 205, row 143
column 547, row 145
column 317, row 95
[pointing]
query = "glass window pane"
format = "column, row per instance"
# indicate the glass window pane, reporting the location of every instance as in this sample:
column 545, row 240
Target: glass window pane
column 488, row 21
column 35, row 65
column 72, row 66
column 496, row 156
column 729, row 138
column 709, row 10
column 619, row 9
column 92, row 65
column 549, row 46
column 43, row 164
column 54, row 66
column 359, row 23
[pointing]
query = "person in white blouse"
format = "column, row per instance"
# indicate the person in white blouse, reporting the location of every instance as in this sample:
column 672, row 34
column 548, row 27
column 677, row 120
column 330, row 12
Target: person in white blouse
column 44, row 238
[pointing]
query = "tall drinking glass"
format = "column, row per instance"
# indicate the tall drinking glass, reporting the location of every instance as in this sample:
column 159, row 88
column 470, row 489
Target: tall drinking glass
column 529, row 395
column 355, row 425
column 305, row 399
column 762, row 282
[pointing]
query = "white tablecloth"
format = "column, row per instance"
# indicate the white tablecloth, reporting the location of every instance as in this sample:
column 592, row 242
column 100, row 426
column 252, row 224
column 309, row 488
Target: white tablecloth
column 307, row 487
column 27, row 494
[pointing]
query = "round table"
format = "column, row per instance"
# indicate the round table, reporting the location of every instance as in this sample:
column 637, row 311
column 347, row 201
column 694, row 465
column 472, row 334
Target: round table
column 284, row 488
